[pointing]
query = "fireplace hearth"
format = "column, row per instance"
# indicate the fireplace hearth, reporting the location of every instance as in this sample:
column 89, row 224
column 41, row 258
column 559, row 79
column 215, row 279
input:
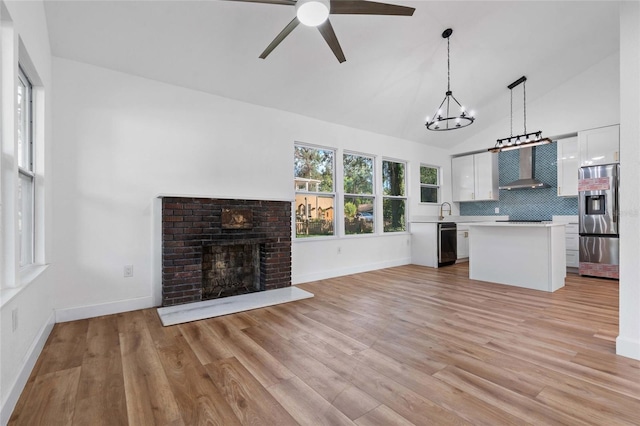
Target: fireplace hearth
column 214, row 248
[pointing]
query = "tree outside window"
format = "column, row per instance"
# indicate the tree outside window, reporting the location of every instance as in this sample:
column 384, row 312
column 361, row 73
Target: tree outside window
column 359, row 202
column 394, row 198
column 315, row 193
column 429, row 184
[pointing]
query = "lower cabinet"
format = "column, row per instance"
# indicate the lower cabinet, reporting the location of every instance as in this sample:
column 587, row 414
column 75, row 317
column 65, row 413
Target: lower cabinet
column 424, row 244
column 571, row 238
column 572, row 243
column 463, row 241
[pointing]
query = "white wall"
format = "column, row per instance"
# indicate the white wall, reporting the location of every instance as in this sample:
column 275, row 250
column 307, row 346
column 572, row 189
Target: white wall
column 588, row 100
column 122, row 140
column 31, row 299
column 628, row 341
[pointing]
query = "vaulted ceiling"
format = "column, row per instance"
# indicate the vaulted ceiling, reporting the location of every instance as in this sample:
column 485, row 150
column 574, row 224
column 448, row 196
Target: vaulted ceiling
column 395, row 73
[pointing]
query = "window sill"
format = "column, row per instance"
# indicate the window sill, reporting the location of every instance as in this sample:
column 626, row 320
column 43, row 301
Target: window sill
column 27, row 276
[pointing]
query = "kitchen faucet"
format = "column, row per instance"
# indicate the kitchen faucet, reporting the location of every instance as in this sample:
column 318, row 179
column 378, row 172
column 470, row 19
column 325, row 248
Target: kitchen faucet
column 442, row 210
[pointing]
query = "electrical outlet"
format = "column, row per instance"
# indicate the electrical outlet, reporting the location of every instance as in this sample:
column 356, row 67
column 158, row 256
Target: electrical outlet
column 128, row 271
column 497, row 210
column 14, row 319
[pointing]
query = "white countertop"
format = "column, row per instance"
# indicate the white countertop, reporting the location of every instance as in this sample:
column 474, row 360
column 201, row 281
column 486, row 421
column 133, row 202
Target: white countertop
column 456, row 219
column 518, row 224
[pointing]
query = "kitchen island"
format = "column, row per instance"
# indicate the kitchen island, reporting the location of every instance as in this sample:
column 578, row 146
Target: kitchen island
column 521, row 254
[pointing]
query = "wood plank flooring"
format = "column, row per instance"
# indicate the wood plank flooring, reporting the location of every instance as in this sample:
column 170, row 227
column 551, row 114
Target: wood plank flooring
column 399, row 346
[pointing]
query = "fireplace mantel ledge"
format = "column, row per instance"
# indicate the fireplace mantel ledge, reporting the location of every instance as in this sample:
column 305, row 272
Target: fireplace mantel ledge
column 224, row 197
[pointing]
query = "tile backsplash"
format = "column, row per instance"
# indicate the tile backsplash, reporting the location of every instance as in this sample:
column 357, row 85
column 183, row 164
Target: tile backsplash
column 526, row 204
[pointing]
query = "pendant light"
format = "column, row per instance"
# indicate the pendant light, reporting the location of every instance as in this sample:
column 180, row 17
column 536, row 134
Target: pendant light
column 526, row 139
column 445, row 117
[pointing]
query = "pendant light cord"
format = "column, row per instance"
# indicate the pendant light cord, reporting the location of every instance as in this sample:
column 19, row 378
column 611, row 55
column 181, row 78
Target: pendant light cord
column 511, row 115
column 524, row 97
column 448, row 68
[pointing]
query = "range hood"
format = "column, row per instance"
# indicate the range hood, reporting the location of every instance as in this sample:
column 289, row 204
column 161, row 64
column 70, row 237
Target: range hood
column 527, row 166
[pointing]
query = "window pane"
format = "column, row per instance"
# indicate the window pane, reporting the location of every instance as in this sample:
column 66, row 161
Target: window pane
column 393, row 212
column 429, row 175
column 358, row 174
column 24, row 122
column 313, row 169
column 358, row 215
column 25, row 218
column 428, row 194
column 393, row 178
column 314, row 215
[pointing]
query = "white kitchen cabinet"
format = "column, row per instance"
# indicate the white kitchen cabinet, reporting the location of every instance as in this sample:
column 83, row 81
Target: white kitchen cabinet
column 568, row 165
column 572, row 244
column 571, row 238
column 475, row 177
column 463, row 178
column 424, row 244
column 463, row 241
column 599, row 146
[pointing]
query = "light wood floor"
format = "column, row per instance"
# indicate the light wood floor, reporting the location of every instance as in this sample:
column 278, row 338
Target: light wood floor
column 400, row 346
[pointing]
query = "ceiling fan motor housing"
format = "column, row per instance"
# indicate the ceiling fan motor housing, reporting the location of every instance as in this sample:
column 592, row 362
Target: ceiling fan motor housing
column 312, row 12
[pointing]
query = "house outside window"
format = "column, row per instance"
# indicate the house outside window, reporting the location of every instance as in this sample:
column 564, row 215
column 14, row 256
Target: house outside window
column 26, row 174
column 394, row 199
column 429, row 184
column 359, row 200
column 314, row 171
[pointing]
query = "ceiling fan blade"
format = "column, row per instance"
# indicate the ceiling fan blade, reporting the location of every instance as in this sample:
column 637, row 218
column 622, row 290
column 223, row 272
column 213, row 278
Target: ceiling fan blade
column 276, row 41
column 284, row 2
column 326, row 29
column 360, row 7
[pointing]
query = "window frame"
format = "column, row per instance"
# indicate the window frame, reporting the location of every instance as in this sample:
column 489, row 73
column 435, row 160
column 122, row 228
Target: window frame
column 404, row 197
column 426, row 185
column 331, row 194
column 27, row 172
column 371, row 195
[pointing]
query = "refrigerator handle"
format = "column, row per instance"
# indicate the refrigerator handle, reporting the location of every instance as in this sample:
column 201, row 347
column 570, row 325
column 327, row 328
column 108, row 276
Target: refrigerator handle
column 615, row 199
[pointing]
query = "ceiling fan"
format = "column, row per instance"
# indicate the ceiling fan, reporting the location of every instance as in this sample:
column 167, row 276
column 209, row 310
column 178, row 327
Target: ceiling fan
column 315, row 13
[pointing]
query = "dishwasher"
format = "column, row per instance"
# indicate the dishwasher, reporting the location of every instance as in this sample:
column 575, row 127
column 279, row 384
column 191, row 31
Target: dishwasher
column 447, row 243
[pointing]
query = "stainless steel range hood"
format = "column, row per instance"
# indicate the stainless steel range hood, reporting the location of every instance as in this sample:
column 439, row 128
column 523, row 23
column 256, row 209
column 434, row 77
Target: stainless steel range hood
column 527, row 166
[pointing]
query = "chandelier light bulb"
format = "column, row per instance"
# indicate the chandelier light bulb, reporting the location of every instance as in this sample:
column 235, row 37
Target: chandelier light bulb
column 312, row 12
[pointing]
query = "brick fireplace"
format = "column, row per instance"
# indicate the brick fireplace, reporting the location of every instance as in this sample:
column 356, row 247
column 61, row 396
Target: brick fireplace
column 215, row 247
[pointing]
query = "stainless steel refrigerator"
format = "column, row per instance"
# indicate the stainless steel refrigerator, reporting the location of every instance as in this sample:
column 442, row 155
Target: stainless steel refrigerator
column 599, row 220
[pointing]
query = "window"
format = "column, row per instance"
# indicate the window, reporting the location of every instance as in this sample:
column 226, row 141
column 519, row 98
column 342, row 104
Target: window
column 26, row 175
column 429, row 184
column 359, row 201
column 315, row 191
column 394, row 200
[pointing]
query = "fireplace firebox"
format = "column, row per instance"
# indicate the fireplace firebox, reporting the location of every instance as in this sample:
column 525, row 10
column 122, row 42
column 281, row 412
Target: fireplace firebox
column 215, row 247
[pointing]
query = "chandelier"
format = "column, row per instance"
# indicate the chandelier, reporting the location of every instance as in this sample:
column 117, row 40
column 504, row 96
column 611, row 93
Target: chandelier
column 444, row 118
column 525, row 139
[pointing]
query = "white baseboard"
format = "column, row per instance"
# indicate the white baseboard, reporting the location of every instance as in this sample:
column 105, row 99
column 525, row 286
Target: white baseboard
column 25, row 370
column 627, row 347
column 332, row 273
column 91, row 311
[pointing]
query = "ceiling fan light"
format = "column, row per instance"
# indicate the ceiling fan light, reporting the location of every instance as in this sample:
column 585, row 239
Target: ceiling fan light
column 312, row 12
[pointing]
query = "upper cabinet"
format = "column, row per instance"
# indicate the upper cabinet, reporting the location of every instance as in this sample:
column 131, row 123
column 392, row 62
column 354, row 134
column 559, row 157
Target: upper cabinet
column 475, row 177
column 568, row 164
column 599, row 146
